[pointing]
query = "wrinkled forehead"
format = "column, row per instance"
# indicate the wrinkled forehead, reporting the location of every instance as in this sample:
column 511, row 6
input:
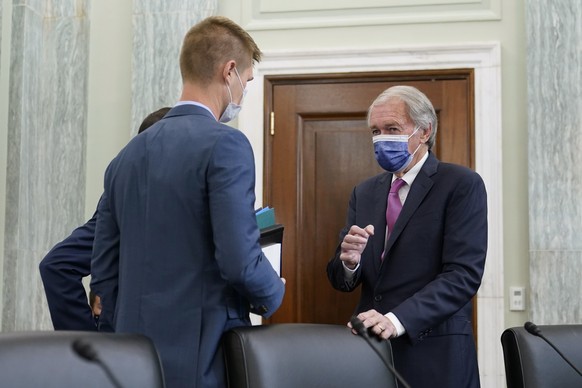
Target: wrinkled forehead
column 389, row 111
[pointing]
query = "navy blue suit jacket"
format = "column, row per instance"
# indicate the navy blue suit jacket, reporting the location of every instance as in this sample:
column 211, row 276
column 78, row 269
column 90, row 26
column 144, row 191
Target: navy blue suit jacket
column 176, row 254
column 62, row 271
column 433, row 267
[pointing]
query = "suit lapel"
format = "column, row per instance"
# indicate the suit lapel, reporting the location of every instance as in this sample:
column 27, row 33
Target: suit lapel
column 379, row 217
column 419, row 189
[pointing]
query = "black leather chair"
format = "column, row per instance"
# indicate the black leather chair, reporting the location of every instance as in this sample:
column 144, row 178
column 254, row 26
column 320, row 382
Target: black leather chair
column 530, row 362
column 47, row 359
column 304, row 355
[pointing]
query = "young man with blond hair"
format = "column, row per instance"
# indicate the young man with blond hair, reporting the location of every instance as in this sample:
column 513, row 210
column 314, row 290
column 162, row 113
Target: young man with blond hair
column 177, row 254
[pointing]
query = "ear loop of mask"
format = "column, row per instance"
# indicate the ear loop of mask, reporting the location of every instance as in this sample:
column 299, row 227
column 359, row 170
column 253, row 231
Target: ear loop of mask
column 244, row 90
column 412, row 134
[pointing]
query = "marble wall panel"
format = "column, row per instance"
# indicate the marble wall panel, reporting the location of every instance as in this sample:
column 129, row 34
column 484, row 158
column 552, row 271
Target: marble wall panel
column 554, row 76
column 556, row 297
column 46, row 148
column 47, row 127
column 201, row 7
column 0, row 32
column 158, row 32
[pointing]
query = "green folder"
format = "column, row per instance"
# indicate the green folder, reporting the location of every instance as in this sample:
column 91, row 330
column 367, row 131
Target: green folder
column 265, row 217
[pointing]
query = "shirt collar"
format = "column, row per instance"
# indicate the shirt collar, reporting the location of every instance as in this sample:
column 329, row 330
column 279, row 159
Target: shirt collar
column 410, row 176
column 196, row 104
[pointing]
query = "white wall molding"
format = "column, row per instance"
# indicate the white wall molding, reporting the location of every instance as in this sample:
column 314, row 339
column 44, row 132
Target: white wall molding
column 485, row 59
column 282, row 14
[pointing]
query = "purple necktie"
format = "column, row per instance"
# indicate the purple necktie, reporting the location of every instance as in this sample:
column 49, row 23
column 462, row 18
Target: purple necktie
column 393, row 207
column 394, row 204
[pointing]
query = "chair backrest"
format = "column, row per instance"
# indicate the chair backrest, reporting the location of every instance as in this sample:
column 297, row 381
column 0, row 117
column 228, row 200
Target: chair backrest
column 304, row 355
column 530, row 362
column 47, row 359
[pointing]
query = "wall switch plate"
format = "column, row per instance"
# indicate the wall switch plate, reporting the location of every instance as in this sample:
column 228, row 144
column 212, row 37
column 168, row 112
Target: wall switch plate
column 517, row 298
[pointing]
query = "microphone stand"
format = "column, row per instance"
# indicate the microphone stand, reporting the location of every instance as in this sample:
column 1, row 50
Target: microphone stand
column 85, row 350
column 358, row 325
column 532, row 328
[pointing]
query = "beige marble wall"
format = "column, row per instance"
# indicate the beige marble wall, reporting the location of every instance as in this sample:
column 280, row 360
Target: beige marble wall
column 0, row 29
column 158, row 31
column 47, row 127
column 554, row 77
column 46, row 147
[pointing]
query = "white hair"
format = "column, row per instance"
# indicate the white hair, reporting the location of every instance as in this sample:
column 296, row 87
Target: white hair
column 418, row 106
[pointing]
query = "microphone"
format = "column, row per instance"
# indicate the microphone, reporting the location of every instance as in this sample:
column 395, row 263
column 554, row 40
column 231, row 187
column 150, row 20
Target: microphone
column 532, row 328
column 358, row 325
column 85, row 350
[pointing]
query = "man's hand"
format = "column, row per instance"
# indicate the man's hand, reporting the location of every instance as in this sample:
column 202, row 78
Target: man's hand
column 353, row 245
column 379, row 324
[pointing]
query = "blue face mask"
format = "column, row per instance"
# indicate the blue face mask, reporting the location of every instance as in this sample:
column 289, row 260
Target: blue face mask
column 391, row 151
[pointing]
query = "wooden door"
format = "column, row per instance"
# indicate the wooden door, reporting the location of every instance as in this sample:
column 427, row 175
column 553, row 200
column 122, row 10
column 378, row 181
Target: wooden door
column 318, row 147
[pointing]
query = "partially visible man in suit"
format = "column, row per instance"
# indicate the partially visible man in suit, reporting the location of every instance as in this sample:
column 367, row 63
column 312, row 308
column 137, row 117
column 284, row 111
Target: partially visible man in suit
column 177, row 254
column 419, row 272
column 68, row 262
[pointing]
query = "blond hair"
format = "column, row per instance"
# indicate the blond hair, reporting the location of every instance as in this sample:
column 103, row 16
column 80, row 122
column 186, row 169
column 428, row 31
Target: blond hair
column 211, row 43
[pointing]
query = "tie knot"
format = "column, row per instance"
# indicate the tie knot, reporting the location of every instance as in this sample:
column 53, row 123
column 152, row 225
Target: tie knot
column 396, row 185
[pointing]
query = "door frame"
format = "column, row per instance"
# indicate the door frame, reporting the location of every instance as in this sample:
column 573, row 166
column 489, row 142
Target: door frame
column 485, row 59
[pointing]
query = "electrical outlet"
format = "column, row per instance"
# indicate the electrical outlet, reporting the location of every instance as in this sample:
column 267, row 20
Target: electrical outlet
column 517, row 298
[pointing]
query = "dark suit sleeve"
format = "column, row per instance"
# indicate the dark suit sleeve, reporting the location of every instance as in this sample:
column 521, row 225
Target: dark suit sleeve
column 231, row 185
column 335, row 268
column 462, row 261
column 62, row 270
column 105, row 263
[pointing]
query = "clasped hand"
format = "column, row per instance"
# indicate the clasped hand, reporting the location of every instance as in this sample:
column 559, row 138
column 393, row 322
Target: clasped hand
column 354, row 244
